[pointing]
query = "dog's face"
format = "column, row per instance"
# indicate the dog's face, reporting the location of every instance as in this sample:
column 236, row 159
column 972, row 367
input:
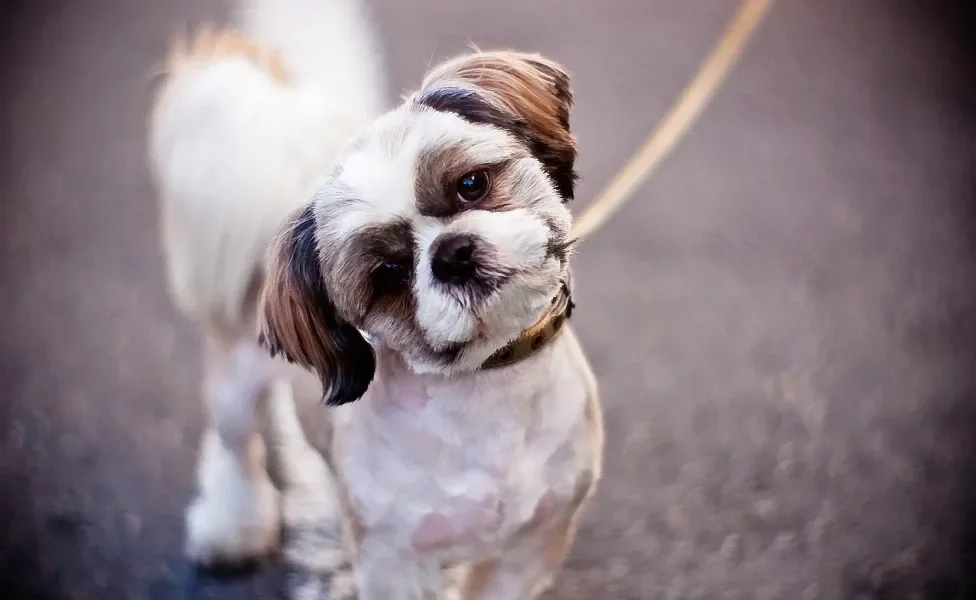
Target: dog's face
column 442, row 231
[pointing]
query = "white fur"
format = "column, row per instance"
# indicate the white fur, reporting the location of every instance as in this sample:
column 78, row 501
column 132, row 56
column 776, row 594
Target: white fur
column 471, row 450
column 326, row 44
column 233, row 151
column 440, row 315
column 235, row 516
column 441, row 469
column 381, row 167
column 520, row 239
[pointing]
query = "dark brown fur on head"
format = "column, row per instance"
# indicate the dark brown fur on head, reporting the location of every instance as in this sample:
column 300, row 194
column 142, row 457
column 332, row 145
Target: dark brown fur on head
column 300, row 321
column 524, row 94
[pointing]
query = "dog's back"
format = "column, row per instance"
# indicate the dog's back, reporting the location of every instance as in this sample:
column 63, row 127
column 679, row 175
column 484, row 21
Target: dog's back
column 244, row 123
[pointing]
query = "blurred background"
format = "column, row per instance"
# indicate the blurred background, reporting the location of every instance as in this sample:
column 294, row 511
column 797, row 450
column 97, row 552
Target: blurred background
column 782, row 320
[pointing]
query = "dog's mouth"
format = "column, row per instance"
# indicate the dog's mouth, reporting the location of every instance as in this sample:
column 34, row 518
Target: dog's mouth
column 492, row 307
column 557, row 307
column 473, row 294
column 479, row 295
column 448, row 354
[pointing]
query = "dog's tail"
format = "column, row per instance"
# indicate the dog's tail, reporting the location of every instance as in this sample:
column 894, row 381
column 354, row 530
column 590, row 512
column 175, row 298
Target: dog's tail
column 245, row 122
column 323, row 42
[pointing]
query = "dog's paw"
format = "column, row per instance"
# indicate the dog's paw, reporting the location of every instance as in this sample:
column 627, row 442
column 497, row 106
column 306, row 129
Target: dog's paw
column 233, row 524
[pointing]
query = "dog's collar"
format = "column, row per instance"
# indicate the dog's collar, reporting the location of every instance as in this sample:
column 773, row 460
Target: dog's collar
column 536, row 337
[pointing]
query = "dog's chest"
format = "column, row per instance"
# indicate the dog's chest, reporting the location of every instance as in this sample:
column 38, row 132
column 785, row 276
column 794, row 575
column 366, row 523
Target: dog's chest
column 455, row 471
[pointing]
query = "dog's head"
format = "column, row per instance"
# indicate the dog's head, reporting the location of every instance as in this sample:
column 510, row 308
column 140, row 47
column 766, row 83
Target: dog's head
column 442, row 231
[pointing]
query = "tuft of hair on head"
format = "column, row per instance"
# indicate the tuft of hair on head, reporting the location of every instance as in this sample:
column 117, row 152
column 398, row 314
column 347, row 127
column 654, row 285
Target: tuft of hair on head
column 300, row 322
column 525, row 94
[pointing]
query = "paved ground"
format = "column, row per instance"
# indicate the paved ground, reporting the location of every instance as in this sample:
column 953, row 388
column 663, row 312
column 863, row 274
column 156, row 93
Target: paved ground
column 783, row 321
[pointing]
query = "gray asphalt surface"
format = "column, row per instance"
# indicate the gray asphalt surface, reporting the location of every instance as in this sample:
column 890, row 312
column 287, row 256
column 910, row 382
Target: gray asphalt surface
column 782, row 321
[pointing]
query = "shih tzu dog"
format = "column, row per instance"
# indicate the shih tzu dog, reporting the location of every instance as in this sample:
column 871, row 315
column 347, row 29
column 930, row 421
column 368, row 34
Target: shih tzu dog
column 427, row 285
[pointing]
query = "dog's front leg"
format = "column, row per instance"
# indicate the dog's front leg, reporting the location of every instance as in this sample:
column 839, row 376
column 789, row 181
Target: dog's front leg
column 385, row 573
column 523, row 573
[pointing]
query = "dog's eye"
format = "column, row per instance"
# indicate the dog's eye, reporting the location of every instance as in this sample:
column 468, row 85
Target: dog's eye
column 390, row 277
column 473, row 186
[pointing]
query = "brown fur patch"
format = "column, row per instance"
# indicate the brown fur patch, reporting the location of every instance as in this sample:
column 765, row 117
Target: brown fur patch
column 524, row 94
column 351, row 272
column 210, row 44
column 393, row 312
column 300, row 320
column 439, row 169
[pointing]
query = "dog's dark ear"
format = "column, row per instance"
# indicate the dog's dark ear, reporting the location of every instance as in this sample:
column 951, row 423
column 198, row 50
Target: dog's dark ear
column 300, row 322
column 525, row 94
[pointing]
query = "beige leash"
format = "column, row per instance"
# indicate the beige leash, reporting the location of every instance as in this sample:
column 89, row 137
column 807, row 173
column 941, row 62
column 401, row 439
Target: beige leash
column 678, row 119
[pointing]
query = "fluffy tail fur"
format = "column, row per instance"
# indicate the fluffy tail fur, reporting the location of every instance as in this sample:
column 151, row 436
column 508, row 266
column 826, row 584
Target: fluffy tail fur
column 246, row 121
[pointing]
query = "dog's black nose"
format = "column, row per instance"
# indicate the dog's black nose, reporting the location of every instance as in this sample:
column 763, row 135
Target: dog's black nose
column 453, row 259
